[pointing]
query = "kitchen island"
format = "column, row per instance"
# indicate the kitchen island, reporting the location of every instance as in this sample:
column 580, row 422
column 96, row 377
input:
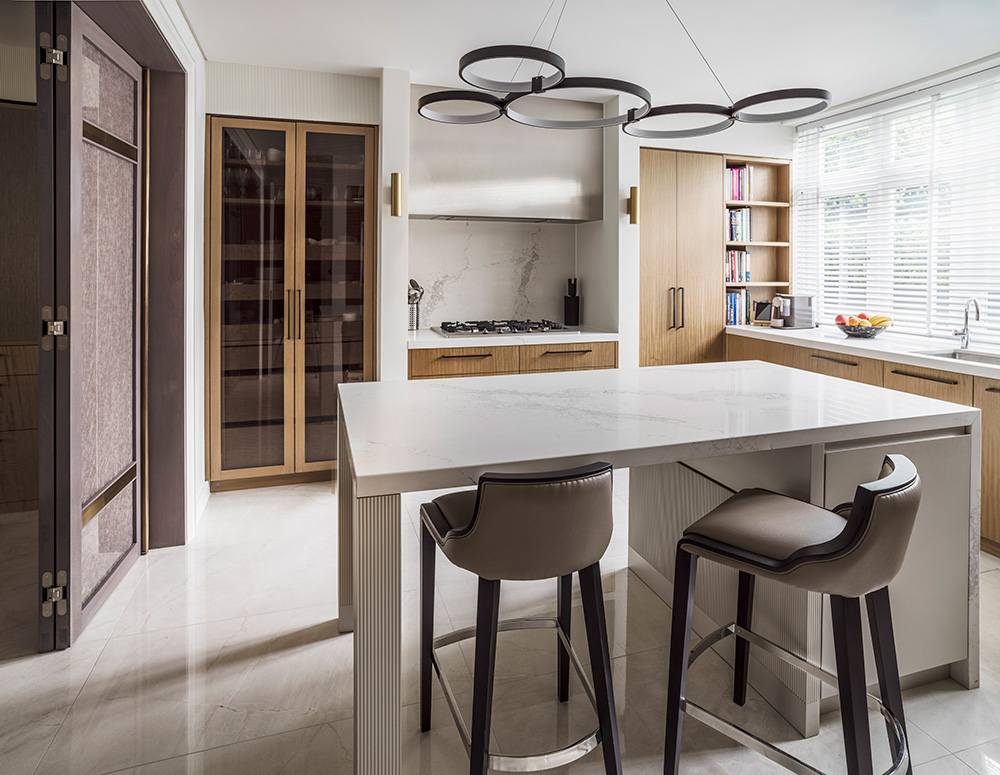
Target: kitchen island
column 689, row 434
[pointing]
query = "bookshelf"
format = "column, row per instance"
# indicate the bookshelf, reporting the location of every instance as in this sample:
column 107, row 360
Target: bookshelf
column 757, row 231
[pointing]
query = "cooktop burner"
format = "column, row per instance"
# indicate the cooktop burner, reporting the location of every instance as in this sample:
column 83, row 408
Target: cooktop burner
column 488, row 327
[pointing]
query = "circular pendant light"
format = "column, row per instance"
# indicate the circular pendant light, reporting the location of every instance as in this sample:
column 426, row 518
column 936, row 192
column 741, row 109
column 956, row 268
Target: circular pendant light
column 540, row 56
column 635, row 129
column 601, row 84
column 493, row 107
column 740, row 112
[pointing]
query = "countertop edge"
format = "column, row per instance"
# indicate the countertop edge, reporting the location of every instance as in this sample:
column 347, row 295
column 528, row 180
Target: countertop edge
column 425, row 339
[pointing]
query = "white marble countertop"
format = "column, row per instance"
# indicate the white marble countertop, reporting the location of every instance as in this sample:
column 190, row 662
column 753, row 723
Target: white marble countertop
column 426, row 339
column 428, row 434
column 890, row 346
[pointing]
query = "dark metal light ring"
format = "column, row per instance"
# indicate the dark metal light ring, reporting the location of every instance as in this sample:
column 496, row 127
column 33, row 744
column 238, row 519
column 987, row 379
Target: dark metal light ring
column 540, row 55
column 495, row 104
column 635, row 130
column 822, row 95
column 608, row 84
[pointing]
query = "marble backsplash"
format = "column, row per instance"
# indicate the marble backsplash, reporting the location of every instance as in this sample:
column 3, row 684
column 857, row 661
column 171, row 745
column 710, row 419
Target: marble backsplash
column 474, row 270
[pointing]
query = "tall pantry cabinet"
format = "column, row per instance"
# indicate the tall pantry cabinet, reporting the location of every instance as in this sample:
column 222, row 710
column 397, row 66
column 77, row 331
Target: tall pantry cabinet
column 681, row 249
column 291, row 291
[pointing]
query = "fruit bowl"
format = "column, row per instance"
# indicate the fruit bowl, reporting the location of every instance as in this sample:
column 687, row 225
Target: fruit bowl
column 861, row 332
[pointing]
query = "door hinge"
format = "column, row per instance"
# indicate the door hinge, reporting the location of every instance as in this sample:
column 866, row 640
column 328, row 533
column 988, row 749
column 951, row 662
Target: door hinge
column 54, row 595
column 53, row 56
column 54, row 328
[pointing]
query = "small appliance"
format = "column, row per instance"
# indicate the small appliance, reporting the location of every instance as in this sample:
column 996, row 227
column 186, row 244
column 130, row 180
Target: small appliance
column 788, row 311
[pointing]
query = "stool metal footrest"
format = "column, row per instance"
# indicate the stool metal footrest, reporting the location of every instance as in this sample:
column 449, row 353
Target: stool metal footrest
column 750, row 740
column 528, row 762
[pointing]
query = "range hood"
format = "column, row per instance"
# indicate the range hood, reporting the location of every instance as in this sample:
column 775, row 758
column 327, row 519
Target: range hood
column 502, row 171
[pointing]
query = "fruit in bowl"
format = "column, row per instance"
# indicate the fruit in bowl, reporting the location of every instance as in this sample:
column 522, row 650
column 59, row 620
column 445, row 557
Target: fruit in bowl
column 863, row 325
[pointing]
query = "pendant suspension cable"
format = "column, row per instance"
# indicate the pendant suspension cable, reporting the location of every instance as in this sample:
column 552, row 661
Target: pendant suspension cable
column 554, row 31
column 534, row 38
column 703, row 57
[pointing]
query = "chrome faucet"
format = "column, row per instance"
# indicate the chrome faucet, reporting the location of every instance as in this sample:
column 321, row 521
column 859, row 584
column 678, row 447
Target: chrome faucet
column 964, row 331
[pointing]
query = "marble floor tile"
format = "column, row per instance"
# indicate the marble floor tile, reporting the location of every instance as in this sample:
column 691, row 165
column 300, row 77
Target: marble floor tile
column 984, row 759
column 988, row 562
column 946, row 765
column 955, row 717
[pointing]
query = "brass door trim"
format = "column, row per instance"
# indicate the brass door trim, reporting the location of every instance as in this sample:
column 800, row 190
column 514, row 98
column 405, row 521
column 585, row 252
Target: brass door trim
column 103, row 498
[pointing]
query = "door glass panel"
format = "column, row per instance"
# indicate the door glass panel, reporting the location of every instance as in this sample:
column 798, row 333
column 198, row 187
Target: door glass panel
column 253, row 298
column 333, row 296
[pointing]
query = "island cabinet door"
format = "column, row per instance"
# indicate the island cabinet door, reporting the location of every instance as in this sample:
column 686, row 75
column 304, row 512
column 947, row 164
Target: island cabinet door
column 700, row 244
column 657, row 256
column 987, row 399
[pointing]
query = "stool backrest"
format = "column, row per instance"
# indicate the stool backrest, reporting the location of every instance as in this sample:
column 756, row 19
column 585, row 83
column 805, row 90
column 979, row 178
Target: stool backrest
column 869, row 552
column 537, row 526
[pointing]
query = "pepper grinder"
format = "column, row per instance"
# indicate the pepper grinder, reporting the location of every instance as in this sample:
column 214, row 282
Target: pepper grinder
column 571, row 305
column 414, row 294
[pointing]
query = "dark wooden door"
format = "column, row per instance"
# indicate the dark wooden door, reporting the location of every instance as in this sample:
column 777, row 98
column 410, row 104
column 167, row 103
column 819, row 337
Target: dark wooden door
column 90, row 125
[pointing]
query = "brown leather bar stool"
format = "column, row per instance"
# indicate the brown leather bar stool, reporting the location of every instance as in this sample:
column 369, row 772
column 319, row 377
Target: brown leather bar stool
column 523, row 527
column 851, row 552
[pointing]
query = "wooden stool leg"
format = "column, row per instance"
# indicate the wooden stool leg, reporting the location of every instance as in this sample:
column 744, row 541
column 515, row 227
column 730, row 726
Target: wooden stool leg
column 849, row 647
column 680, row 646
column 428, row 547
column 744, row 616
column 884, row 646
column 564, row 613
column 592, row 594
column 487, row 625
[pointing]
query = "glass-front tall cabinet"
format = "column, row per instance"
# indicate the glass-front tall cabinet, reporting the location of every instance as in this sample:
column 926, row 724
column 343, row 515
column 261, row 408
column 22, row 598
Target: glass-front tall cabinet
column 291, row 290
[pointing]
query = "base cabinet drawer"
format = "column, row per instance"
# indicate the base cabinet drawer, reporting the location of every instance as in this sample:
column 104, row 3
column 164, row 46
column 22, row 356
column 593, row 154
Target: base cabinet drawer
column 838, row 365
column 932, row 383
column 566, row 357
column 746, row 348
column 463, row 361
column 987, row 399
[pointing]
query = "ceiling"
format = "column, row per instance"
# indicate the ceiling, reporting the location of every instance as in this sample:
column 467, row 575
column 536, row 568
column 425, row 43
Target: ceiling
column 853, row 48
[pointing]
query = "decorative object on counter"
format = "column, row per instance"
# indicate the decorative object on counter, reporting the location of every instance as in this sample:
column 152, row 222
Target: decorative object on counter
column 633, row 205
column 761, row 313
column 488, row 327
column 414, row 294
column 551, row 77
column 571, row 305
column 397, row 195
column 861, row 332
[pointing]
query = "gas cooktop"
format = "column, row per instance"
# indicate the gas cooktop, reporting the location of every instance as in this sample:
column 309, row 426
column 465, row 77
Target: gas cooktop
column 496, row 327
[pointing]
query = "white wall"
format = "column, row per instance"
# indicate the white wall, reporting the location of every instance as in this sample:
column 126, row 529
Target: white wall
column 170, row 19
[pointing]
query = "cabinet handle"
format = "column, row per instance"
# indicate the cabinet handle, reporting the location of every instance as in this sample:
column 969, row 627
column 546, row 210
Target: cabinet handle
column 993, row 390
column 301, row 311
column 471, row 355
column 683, row 295
column 833, row 360
column 673, row 307
column 288, row 313
column 567, row 352
column 929, row 379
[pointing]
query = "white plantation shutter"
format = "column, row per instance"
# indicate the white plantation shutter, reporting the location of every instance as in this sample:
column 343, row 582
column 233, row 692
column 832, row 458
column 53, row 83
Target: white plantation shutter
column 898, row 211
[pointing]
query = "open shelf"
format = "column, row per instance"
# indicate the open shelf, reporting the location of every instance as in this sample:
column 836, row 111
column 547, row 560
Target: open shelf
column 752, row 203
column 759, row 285
column 757, row 244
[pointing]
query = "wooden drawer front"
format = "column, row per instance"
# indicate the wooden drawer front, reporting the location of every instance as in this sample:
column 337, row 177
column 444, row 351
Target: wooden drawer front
column 18, row 359
column 839, row 365
column 463, row 361
column 987, row 399
column 745, row 348
column 572, row 355
column 18, row 403
column 932, row 383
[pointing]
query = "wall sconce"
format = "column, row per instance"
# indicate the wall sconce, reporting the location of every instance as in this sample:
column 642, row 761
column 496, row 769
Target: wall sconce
column 633, row 205
column 397, row 194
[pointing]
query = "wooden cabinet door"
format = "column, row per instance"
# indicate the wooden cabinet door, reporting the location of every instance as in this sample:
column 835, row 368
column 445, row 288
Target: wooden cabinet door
column 987, row 399
column 700, row 250
column 658, row 255
column 932, row 383
column 568, row 357
column 838, row 365
column 464, row 361
column 746, row 348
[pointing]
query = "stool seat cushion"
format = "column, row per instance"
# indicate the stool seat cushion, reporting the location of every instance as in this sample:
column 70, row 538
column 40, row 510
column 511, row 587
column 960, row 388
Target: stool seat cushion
column 767, row 524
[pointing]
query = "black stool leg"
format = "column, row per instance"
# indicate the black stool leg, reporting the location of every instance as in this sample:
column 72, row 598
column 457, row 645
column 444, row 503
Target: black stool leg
column 884, row 646
column 487, row 625
column 428, row 547
column 849, row 646
column 592, row 594
column 564, row 609
column 744, row 615
column 680, row 645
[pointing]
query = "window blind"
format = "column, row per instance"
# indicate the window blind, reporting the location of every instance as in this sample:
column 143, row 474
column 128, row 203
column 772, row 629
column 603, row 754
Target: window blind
column 898, row 211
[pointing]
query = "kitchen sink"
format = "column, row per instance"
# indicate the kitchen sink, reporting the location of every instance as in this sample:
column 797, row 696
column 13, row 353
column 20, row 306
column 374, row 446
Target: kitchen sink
column 992, row 359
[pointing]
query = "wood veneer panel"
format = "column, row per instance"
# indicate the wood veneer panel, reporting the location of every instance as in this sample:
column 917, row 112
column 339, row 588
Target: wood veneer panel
column 932, row 383
column 574, row 355
column 464, row 361
column 745, row 348
column 849, row 367
column 658, row 255
column 986, row 398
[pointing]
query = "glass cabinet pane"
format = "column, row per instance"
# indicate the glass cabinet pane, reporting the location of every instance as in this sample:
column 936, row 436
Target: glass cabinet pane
column 333, row 298
column 253, row 304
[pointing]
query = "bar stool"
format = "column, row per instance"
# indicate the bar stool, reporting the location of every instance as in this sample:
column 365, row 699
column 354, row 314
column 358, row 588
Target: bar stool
column 851, row 552
column 523, row 527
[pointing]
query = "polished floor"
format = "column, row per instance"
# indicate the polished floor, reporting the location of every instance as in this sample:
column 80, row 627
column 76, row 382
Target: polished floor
column 224, row 657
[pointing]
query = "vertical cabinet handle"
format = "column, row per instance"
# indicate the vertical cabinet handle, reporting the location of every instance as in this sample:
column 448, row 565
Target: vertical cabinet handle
column 681, row 289
column 288, row 313
column 301, row 311
column 673, row 307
